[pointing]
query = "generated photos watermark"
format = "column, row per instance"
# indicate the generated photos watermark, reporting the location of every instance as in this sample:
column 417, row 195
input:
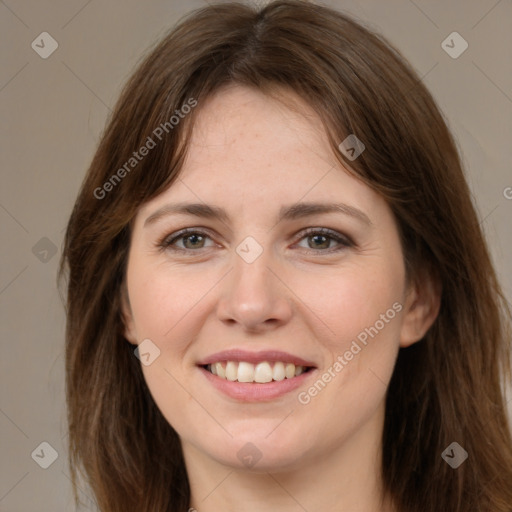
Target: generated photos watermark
column 158, row 133
column 343, row 360
column 351, row 147
column 454, row 455
column 146, row 352
column 249, row 455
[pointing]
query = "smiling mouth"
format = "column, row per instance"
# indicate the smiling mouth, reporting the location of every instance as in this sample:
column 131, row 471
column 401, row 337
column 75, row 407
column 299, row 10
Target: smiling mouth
column 261, row 373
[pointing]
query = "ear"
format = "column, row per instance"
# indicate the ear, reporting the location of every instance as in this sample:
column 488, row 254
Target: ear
column 422, row 304
column 127, row 316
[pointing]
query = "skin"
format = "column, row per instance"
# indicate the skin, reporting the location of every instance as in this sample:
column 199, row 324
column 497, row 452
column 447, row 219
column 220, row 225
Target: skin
column 250, row 154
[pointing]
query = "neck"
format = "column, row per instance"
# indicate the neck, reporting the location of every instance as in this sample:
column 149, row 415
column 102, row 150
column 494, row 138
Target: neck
column 344, row 478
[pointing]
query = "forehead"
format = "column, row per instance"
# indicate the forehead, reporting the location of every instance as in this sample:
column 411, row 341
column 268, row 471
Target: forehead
column 245, row 131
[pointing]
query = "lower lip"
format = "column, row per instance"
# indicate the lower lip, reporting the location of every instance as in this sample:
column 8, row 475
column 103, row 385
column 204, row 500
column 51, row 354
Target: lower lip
column 253, row 391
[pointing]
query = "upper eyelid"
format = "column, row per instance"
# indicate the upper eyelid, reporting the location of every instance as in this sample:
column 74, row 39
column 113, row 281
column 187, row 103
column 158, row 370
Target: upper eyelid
column 188, row 231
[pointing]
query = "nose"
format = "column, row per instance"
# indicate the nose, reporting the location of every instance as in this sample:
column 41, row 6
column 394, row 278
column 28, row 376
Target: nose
column 253, row 296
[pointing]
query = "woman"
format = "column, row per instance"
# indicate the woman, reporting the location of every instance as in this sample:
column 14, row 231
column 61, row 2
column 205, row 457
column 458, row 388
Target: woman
column 279, row 295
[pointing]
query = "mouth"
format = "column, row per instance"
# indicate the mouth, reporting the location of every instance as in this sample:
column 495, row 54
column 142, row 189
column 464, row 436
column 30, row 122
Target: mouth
column 249, row 376
column 261, row 373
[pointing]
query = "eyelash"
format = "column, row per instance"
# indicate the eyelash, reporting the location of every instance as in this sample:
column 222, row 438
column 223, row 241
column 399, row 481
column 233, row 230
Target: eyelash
column 167, row 242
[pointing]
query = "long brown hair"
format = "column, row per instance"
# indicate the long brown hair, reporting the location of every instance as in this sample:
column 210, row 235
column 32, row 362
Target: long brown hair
column 445, row 388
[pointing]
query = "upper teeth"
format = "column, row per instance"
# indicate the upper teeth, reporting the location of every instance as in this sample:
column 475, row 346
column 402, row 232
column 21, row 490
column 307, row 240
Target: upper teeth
column 261, row 372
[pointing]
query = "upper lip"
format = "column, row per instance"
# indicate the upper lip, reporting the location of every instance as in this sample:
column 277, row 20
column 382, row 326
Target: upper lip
column 255, row 357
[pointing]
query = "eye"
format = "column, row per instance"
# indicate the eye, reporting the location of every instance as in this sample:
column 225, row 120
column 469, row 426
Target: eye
column 320, row 239
column 191, row 240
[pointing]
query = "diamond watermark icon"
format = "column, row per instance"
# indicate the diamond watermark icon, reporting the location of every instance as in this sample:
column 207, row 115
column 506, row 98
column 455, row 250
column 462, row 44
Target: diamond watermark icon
column 249, row 455
column 147, row 352
column 351, row 147
column 44, row 250
column 249, row 249
column 45, row 455
column 454, row 455
column 454, row 45
column 44, row 45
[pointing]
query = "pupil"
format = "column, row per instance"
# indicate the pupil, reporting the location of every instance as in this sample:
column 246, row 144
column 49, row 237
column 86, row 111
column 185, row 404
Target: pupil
column 318, row 237
column 194, row 238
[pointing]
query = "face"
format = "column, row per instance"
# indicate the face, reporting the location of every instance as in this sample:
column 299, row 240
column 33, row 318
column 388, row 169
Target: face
column 270, row 283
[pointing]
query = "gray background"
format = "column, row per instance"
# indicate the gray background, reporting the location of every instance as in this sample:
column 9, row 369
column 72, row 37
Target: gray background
column 53, row 112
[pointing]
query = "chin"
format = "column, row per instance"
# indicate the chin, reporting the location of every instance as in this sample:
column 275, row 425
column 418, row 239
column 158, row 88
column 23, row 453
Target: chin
column 260, row 452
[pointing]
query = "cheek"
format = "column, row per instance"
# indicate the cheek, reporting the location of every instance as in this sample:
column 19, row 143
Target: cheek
column 363, row 312
column 166, row 304
column 358, row 303
column 162, row 298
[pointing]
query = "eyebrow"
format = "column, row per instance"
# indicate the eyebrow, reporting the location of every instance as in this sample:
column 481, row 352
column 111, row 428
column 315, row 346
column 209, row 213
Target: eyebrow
column 290, row 212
